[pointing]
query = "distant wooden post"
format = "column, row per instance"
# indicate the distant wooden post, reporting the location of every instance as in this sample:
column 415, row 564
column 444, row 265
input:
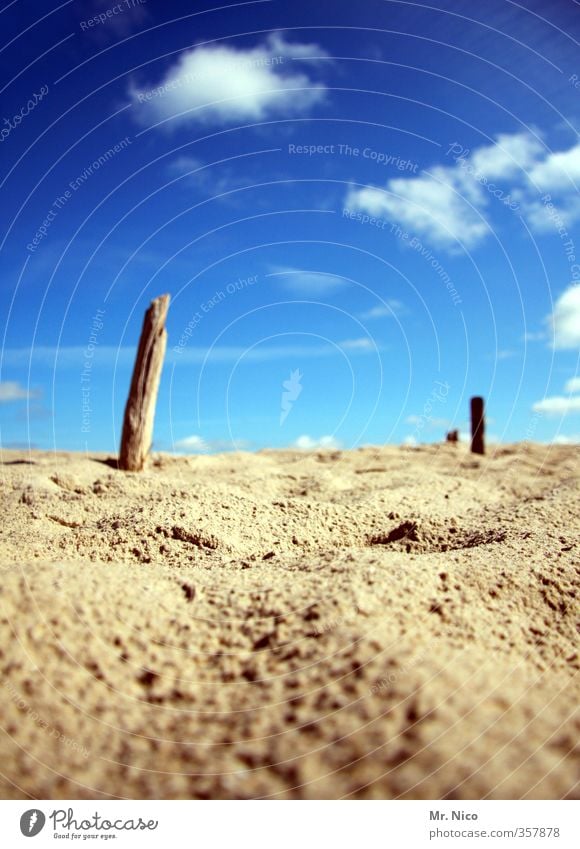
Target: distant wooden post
column 140, row 408
column 477, row 426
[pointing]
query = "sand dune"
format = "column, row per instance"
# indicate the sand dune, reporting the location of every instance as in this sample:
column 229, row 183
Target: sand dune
column 379, row 623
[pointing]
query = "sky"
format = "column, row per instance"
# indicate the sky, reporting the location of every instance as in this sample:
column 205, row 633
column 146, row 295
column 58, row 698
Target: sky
column 364, row 215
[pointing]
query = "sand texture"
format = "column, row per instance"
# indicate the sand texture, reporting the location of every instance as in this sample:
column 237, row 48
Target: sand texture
column 379, row 623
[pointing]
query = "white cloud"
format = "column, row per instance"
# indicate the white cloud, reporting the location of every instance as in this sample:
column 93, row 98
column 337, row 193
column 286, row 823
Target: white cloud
column 193, row 443
column 509, row 156
column 196, row 444
column 225, row 84
column 448, row 203
column 558, row 405
column 387, row 310
column 490, row 438
column 565, row 320
column 562, row 439
column 410, row 441
column 573, row 385
column 307, row 443
column 434, row 205
column 561, row 405
column 557, row 218
column 10, row 390
column 558, row 171
column 362, row 344
column 308, row 282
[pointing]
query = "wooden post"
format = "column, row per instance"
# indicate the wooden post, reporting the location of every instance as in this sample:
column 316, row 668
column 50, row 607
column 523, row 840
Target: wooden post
column 477, row 426
column 140, row 408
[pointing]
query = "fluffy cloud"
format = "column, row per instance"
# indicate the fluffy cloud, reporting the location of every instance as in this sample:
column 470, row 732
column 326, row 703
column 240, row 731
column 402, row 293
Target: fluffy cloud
column 12, row 391
column 194, row 443
column 225, row 84
column 509, row 156
column 447, row 205
column 435, row 206
column 573, row 385
column 307, row 443
column 557, row 171
column 565, row 320
column 558, row 405
column 550, row 216
column 562, row 326
column 561, row 405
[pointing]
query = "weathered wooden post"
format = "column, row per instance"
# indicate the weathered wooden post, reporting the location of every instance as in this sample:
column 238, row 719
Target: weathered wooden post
column 477, row 426
column 140, row 409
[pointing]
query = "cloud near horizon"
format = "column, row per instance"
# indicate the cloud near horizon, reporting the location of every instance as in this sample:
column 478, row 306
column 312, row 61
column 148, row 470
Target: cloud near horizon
column 196, row 444
column 561, row 405
column 308, row 443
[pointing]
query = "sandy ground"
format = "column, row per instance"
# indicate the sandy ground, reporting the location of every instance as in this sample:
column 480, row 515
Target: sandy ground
column 380, row 623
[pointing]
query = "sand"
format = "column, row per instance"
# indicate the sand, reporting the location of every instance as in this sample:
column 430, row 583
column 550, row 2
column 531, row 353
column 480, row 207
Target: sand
column 380, row 623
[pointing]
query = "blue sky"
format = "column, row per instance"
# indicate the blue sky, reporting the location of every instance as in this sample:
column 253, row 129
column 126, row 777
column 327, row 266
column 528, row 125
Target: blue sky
column 364, row 214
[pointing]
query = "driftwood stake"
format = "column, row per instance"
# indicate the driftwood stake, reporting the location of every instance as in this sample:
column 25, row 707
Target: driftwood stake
column 140, row 408
column 477, row 426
